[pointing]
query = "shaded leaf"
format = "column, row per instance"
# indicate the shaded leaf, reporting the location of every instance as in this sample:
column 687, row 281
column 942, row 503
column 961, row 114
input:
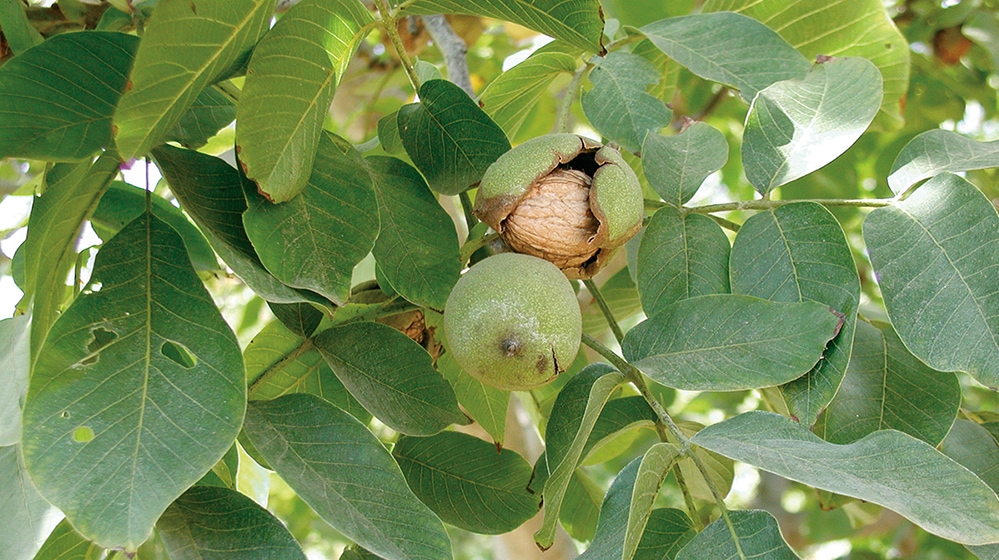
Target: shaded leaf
column 467, row 483
column 799, row 252
column 677, row 165
column 863, row 28
column 208, row 523
column 184, row 48
column 485, row 404
column 449, row 138
column 887, row 388
column 211, row 192
column 300, row 318
column 122, row 388
column 345, row 474
column 290, row 83
column 581, row 507
column 720, row 470
column 121, row 203
column 29, row 517
column 622, row 297
column 314, row 240
column 936, row 151
column 211, row 111
column 57, row 99
column 729, row 48
column 392, row 377
column 14, row 366
column 509, row 99
column 577, row 22
column 973, row 446
column 66, row 544
column 656, row 464
column 888, row 468
column 681, row 256
column 17, row 29
column 730, row 342
column 618, row 106
column 417, row 249
column 797, row 126
column 758, row 533
column 936, row 255
column 666, row 533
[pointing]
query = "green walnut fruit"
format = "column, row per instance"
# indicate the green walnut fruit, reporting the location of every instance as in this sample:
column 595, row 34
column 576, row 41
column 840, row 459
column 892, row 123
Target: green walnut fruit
column 512, row 321
column 563, row 198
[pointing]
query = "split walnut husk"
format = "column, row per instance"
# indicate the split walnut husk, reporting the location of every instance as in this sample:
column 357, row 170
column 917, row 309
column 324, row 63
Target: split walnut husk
column 563, row 198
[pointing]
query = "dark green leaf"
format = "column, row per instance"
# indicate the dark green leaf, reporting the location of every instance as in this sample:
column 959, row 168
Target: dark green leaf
column 122, row 203
column 486, row 405
column 467, row 483
column 29, row 518
column 887, row 468
column 293, row 75
column 936, row 255
column 66, row 544
column 797, row 126
column 450, row 139
column 886, row 387
column 14, row 367
column 618, row 106
column 300, row 318
column 57, row 99
column 208, row 523
column 798, row 252
column 758, row 534
column 392, row 376
column 314, row 240
column 17, row 29
column 728, row 48
column 212, row 193
column 936, row 151
column 656, row 464
column 973, row 446
column 730, row 342
column 417, row 249
column 509, row 99
column 681, row 256
column 577, row 22
column 666, row 533
column 345, row 474
column 212, row 111
column 184, row 48
column 677, row 165
column 122, row 387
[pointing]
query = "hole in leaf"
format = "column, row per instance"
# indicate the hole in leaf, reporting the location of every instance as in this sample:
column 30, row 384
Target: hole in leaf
column 64, row 415
column 179, row 354
column 102, row 337
column 83, row 434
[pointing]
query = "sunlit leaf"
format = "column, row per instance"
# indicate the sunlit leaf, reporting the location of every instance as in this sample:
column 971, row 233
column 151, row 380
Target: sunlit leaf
column 66, row 544
column 29, row 517
column 936, row 151
column 936, row 255
column 618, row 106
column 14, row 366
column 509, row 99
column 677, row 165
column 124, row 386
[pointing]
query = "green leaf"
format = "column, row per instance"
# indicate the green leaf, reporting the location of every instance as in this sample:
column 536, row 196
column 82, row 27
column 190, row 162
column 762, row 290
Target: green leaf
column 720, row 470
column 619, row 416
column 666, row 533
column 417, row 249
column 577, row 22
column 728, row 48
column 467, row 483
column 758, row 533
column 486, row 405
column 293, row 75
column 656, row 464
column 123, row 386
column 57, row 99
column 886, row 387
column 300, row 318
column 314, row 240
column 797, row 126
column 936, row 151
column 29, row 518
column 345, row 474
column 581, row 507
column 677, row 165
column 17, row 29
column 450, row 139
column 121, row 203
column 66, row 544
column 212, row 111
column 936, row 255
column 888, row 468
column 799, row 252
column 681, row 256
column 622, row 297
column 973, row 446
column 14, row 367
column 72, row 192
column 509, row 98
column 280, row 362
column 185, row 47
column 211, row 192
column 730, row 342
column 208, row 523
column 575, row 412
column 618, row 106
column 392, row 376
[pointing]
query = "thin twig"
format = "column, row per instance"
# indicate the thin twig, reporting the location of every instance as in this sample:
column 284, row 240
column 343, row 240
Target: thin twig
column 605, row 309
column 389, row 23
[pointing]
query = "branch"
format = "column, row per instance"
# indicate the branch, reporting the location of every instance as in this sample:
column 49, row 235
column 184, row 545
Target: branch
column 454, row 50
column 767, row 204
